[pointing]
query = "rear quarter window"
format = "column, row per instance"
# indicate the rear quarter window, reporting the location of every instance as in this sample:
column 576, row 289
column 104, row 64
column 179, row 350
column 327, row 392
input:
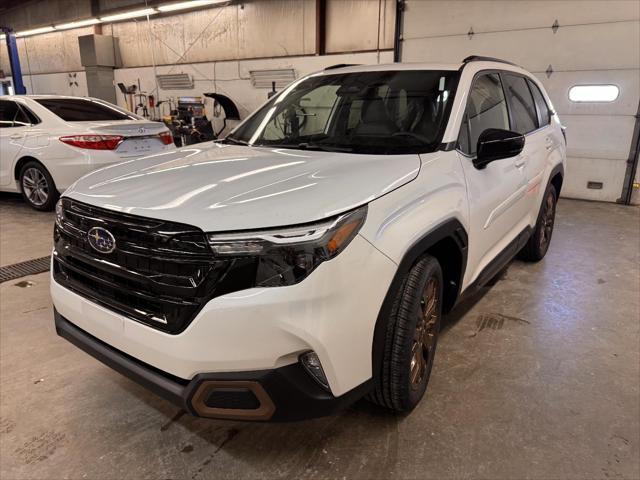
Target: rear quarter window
column 81, row 110
column 544, row 114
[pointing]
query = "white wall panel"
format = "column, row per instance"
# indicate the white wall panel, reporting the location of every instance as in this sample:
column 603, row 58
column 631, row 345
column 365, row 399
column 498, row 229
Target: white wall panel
column 596, row 136
column 57, row 84
column 437, row 18
column 47, row 53
column 597, row 42
column 590, row 47
column 359, row 25
column 276, row 28
column 580, row 171
column 628, row 81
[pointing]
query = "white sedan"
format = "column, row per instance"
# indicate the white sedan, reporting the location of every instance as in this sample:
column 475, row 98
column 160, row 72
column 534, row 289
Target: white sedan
column 47, row 142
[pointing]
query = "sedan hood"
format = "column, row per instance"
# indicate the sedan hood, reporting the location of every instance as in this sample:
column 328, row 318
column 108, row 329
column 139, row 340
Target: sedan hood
column 226, row 187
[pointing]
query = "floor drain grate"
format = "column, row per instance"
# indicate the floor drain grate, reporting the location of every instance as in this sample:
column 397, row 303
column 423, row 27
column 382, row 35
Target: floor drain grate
column 22, row 269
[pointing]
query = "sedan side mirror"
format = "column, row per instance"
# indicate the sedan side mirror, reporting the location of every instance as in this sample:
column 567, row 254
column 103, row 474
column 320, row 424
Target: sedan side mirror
column 496, row 144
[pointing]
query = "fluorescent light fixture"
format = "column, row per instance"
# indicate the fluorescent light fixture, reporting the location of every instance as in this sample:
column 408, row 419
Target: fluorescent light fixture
column 78, row 24
column 132, row 14
column 35, row 31
column 184, row 5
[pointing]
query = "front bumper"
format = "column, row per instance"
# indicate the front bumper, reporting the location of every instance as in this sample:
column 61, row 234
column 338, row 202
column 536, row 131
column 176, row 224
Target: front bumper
column 332, row 312
column 280, row 394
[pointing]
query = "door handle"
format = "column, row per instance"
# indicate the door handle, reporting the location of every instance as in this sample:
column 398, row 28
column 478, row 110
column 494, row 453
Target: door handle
column 16, row 136
column 519, row 163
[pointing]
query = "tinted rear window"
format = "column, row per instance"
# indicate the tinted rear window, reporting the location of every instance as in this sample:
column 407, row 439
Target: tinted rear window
column 543, row 110
column 80, row 110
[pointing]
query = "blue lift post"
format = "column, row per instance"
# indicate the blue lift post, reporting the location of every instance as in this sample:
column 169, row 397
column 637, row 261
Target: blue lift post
column 14, row 61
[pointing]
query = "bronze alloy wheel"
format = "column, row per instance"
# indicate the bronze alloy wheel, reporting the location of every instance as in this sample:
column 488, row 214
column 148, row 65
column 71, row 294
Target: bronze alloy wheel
column 548, row 217
column 425, row 334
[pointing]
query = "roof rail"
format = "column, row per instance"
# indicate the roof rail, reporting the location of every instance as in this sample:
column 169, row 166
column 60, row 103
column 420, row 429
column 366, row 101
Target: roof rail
column 341, row 65
column 480, row 58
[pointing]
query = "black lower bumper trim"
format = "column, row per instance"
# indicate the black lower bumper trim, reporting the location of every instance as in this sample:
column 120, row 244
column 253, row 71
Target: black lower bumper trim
column 295, row 395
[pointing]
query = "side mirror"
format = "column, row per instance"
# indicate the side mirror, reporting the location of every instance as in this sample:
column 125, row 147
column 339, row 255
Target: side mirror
column 496, row 144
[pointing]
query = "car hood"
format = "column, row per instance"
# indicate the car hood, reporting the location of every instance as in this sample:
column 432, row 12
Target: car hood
column 226, row 187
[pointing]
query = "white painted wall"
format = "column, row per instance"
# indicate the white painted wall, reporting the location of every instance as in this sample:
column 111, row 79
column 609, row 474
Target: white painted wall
column 597, row 42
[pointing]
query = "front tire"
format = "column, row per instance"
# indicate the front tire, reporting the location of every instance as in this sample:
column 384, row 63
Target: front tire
column 37, row 186
column 538, row 244
column 411, row 338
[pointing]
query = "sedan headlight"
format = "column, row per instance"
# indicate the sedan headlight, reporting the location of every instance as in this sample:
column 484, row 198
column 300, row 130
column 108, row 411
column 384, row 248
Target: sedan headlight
column 285, row 256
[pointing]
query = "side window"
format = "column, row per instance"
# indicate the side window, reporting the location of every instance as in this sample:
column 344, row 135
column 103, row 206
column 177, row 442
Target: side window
column 486, row 108
column 8, row 113
column 21, row 120
column 543, row 109
column 31, row 117
column 523, row 110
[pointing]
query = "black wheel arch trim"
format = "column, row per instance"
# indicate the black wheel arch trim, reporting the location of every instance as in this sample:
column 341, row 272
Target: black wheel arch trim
column 449, row 229
column 558, row 169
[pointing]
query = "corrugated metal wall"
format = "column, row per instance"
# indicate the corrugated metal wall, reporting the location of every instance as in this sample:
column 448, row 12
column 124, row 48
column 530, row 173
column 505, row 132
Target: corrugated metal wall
column 596, row 42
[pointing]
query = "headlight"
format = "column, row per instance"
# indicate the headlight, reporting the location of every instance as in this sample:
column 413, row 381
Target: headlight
column 59, row 213
column 285, row 256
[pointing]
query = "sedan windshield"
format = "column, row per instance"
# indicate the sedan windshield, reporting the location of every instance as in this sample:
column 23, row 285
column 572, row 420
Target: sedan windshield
column 383, row 112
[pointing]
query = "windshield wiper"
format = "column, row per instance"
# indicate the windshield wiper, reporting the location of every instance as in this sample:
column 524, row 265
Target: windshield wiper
column 323, row 148
column 233, row 141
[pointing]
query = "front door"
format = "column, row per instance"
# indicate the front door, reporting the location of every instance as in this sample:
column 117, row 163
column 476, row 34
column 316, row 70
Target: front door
column 497, row 205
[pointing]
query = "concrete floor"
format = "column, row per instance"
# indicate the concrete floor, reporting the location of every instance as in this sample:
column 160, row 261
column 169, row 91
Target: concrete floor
column 538, row 379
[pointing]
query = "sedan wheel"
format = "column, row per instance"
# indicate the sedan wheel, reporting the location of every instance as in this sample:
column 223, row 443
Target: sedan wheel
column 37, row 186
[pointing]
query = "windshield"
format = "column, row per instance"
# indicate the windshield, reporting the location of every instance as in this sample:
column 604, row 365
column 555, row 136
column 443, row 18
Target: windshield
column 384, row 112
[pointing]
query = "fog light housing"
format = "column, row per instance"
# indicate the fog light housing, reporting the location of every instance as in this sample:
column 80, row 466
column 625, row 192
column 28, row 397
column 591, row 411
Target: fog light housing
column 311, row 363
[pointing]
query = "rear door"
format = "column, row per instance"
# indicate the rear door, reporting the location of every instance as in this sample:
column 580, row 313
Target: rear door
column 525, row 120
column 14, row 126
column 496, row 193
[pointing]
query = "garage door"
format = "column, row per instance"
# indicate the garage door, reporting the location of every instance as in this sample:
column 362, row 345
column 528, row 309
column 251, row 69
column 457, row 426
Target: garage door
column 565, row 44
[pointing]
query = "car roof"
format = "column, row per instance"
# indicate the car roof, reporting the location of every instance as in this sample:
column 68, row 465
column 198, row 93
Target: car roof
column 473, row 63
column 391, row 67
column 41, row 97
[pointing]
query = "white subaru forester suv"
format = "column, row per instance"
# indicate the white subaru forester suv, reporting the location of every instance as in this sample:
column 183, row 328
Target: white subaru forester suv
column 305, row 261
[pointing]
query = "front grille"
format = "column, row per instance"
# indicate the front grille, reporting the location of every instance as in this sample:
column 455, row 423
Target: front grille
column 160, row 273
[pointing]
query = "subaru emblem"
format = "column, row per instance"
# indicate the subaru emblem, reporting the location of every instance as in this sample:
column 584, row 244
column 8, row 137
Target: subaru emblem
column 101, row 240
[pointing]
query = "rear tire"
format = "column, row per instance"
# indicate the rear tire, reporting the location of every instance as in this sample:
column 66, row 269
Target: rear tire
column 411, row 338
column 37, row 186
column 538, row 244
